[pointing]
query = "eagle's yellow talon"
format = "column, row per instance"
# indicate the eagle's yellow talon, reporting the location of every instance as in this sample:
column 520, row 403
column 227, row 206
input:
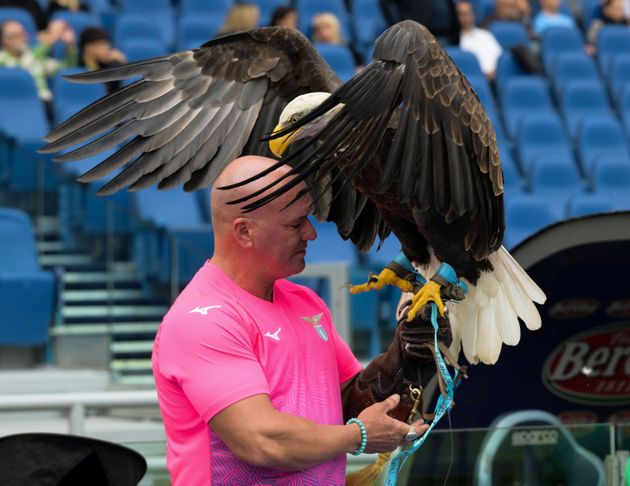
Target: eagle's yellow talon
column 430, row 292
column 376, row 282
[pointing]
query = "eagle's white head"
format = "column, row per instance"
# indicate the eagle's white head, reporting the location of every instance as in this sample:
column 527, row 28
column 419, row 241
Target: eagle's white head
column 293, row 112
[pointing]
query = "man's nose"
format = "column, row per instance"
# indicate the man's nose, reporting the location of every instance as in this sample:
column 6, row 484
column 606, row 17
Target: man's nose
column 309, row 231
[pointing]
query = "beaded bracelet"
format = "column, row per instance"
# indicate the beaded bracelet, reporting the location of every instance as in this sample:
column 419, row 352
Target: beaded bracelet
column 361, row 449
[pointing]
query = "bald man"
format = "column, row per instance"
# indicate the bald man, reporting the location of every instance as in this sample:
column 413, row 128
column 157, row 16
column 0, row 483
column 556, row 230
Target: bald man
column 249, row 367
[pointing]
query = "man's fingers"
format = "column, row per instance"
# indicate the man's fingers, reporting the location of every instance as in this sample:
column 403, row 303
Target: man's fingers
column 391, row 402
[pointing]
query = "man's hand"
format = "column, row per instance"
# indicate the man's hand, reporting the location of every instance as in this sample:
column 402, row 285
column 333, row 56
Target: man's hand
column 384, row 433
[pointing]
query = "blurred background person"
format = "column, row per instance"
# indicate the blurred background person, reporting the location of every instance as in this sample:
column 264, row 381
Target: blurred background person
column 326, row 29
column 55, row 6
column 550, row 16
column 16, row 52
column 284, row 17
column 510, row 10
column 479, row 42
column 612, row 12
column 244, row 16
column 96, row 52
column 438, row 16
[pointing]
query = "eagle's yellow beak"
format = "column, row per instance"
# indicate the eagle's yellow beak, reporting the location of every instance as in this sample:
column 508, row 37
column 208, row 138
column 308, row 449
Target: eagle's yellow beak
column 279, row 145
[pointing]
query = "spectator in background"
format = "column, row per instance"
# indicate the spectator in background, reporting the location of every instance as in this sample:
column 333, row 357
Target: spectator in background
column 550, row 16
column 284, row 17
column 96, row 52
column 478, row 41
column 55, row 6
column 16, row 52
column 244, row 16
column 438, row 16
column 326, row 29
column 612, row 13
column 510, row 10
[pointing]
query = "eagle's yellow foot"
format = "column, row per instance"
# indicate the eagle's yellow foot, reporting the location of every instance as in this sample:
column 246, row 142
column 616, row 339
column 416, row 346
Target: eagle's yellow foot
column 430, row 292
column 376, row 282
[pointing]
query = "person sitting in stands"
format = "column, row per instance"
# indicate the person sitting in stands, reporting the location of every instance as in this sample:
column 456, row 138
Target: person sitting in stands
column 550, row 16
column 284, row 17
column 16, row 52
column 326, row 29
column 479, row 42
column 244, row 16
column 511, row 11
column 612, row 13
column 96, row 52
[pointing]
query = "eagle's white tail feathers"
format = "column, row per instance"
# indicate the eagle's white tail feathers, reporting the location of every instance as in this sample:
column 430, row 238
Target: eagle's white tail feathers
column 488, row 316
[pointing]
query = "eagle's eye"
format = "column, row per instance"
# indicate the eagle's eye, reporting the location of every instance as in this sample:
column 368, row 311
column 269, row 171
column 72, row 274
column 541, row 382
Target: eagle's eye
column 293, row 118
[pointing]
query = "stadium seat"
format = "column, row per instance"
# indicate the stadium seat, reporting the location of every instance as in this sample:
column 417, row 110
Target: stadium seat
column 27, row 293
column 559, row 40
column 140, row 49
column 624, row 106
column 465, row 61
column 483, row 9
column 600, row 136
column 216, row 9
column 387, row 251
column 619, row 75
column 132, row 26
column 79, row 21
column 328, row 246
column 556, row 182
column 70, row 97
column 307, row 9
column 523, row 96
column 572, row 66
column 512, row 183
column 589, row 9
column 586, row 204
column 509, row 34
column 22, row 16
column 481, row 87
column 267, row 7
column 507, row 68
column 566, row 459
column 193, row 31
column 581, row 100
column 368, row 21
column 524, row 216
column 159, row 12
column 611, row 40
column 541, row 134
column 339, row 58
column 611, row 176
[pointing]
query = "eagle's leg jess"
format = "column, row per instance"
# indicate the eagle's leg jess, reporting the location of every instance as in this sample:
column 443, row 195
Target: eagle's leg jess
column 398, row 273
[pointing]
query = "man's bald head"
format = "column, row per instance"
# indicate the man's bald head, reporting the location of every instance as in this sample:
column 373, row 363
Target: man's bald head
column 239, row 170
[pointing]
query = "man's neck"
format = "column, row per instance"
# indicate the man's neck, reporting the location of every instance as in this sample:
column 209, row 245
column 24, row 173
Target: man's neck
column 245, row 277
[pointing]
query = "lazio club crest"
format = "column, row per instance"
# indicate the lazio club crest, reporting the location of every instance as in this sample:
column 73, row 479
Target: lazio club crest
column 321, row 332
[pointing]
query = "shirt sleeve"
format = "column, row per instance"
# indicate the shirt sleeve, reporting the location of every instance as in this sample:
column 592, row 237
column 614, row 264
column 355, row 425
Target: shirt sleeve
column 212, row 358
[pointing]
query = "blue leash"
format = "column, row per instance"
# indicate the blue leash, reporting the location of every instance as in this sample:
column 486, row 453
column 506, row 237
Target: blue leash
column 444, row 402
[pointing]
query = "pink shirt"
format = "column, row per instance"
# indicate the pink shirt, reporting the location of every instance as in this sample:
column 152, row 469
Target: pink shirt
column 219, row 344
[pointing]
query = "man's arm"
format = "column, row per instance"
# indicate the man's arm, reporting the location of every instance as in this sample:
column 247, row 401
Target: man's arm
column 258, row 434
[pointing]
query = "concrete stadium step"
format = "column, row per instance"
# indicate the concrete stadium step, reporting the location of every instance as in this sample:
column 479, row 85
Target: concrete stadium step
column 131, row 347
column 128, row 311
column 115, row 328
column 131, row 365
column 50, row 246
column 136, row 380
column 46, row 225
column 99, row 277
column 102, row 295
column 65, row 260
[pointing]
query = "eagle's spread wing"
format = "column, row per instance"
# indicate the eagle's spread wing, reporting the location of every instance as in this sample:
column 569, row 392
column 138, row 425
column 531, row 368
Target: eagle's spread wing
column 193, row 112
column 414, row 117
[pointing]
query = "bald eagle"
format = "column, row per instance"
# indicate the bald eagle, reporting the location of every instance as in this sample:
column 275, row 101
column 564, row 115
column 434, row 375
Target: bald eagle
column 404, row 147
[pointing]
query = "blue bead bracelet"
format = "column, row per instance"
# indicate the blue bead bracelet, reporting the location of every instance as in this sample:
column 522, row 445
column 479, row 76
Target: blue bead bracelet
column 361, row 449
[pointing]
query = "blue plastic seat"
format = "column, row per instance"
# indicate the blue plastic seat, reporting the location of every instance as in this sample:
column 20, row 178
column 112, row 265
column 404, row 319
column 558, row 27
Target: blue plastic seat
column 22, row 16
column 512, row 182
column 611, row 40
column 79, row 21
column 205, row 9
column 572, row 66
column 581, row 100
column 481, row 87
column 556, row 181
column 524, row 96
column 586, row 204
column 509, row 33
column 559, row 40
column 133, row 26
column 27, row 293
column 524, row 216
column 329, row 246
column 541, row 134
column 193, row 31
column 140, row 49
column 69, row 97
column 339, row 58
column 611, row 176
column 369, row 22
column 307, row 9
column 600, row 136
column 387, row 251
column 589, row 10
column 267, row 7
column 507, row 68
column 624, row 106
column 160, row 12
column 619, row 75
column 465, row 61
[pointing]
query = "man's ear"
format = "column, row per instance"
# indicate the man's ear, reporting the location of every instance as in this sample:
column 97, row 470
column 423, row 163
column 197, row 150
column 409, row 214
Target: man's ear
column 243, row 232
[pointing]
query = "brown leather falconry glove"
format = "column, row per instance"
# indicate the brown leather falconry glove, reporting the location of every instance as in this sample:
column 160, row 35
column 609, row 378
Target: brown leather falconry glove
column 407, row 362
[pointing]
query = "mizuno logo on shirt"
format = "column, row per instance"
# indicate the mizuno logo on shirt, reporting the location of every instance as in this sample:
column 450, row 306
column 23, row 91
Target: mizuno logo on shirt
column 274, row 335
column 203, row 310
